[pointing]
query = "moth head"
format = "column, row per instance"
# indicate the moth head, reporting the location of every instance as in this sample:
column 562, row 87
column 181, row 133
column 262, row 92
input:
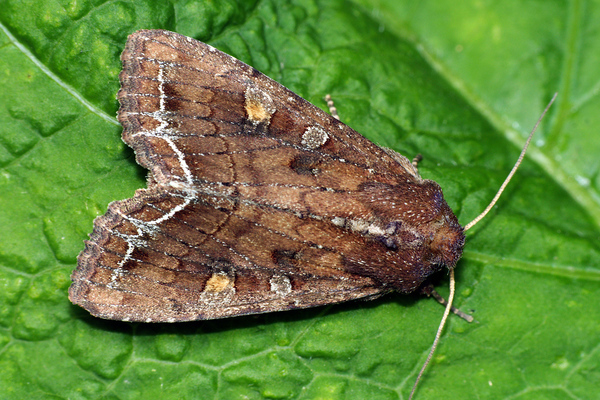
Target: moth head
column 448, row 241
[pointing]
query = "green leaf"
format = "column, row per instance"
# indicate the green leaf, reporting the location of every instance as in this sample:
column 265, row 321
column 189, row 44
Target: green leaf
column 460, row 82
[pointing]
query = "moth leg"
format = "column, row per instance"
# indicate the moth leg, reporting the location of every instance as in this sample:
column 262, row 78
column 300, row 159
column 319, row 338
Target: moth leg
column 332, row 109
column 418, row 158
column 416, row 161
column 430, row 291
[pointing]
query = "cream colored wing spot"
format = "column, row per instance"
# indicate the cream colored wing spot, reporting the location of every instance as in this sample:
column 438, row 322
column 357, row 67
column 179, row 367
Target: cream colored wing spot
column 218, row 282
column 314, row 137
column 259, row 105
column 280, row 285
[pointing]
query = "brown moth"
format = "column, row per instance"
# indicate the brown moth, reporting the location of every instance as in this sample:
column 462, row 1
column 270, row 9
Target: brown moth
column 257, row 201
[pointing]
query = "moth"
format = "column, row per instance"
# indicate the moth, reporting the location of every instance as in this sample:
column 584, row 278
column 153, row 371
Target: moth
column 257, row 200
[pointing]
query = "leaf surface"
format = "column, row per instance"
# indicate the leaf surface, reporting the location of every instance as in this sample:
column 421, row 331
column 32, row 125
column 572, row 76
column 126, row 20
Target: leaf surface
column 460, row 82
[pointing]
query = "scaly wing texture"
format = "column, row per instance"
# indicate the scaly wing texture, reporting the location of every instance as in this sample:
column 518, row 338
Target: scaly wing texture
column 257, row 200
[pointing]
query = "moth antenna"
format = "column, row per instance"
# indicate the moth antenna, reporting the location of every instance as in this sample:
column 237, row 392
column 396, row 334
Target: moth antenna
column 514, row 169
column 438, row 334
column 468, row 226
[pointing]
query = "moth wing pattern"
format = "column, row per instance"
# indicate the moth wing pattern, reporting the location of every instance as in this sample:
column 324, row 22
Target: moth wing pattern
column 162, row 65
column 257, row 200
